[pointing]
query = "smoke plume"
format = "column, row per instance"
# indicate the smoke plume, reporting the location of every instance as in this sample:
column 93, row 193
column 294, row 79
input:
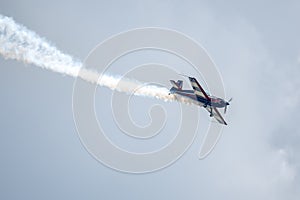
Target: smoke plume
column 19, row 43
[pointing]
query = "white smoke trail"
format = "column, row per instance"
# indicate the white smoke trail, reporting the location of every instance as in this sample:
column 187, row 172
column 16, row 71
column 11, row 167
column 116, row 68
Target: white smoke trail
column 19, row 43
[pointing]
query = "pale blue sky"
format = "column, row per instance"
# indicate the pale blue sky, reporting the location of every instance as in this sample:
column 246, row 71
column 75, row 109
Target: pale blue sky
column 256, row 48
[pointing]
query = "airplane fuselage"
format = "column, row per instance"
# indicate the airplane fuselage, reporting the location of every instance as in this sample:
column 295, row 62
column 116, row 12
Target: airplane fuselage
column 213, row 102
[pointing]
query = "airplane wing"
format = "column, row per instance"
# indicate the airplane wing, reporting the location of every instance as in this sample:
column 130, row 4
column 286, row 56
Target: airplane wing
column 216, row 115
column 198, row 90
column 200, row 93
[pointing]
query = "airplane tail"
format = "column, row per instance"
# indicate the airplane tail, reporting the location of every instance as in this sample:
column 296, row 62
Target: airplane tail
column 177, row 85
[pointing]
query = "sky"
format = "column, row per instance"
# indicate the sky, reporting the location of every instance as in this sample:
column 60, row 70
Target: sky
column 256, row 48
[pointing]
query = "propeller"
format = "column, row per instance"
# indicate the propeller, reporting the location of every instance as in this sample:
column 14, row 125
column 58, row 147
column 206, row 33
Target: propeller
column 227, row 104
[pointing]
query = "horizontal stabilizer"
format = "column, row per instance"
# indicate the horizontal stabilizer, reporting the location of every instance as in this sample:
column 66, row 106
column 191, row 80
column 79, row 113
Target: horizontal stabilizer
column 178, row 84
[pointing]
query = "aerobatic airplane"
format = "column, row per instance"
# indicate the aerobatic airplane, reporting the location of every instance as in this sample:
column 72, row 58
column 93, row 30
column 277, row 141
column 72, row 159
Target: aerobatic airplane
column 200, row 97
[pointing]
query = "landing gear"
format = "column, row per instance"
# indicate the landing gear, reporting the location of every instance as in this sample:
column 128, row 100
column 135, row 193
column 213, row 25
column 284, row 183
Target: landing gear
column 211, row 113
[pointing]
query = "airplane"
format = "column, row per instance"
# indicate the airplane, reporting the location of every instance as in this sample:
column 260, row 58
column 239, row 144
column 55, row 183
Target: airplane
column 201, row 98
